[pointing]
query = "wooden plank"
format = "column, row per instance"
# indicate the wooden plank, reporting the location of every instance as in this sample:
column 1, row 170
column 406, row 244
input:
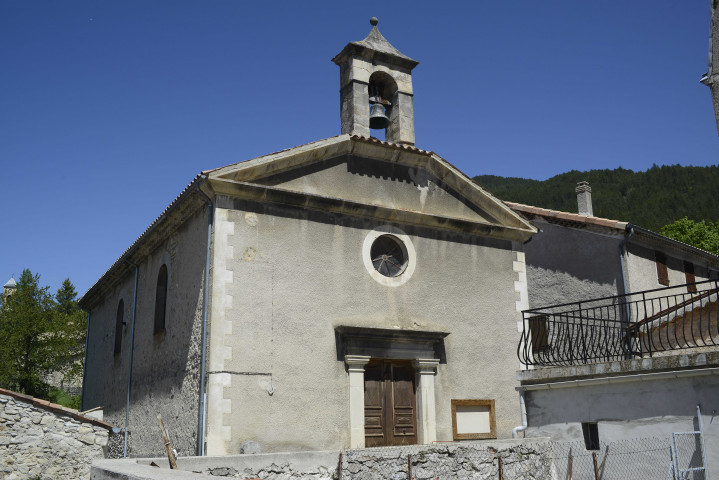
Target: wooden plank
column 166, row 439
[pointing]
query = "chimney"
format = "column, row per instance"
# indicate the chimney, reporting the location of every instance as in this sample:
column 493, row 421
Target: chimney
column 584, row 198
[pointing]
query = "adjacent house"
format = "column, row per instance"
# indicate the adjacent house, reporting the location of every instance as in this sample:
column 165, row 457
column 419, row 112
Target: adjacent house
column 578, row 256
column 622, row 338
column 349, row 292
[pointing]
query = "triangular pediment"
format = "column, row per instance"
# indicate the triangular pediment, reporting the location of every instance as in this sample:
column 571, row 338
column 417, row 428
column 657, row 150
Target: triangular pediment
column 372, row 178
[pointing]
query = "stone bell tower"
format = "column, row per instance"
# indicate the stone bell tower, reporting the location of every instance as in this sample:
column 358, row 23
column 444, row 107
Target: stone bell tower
column 376, row 88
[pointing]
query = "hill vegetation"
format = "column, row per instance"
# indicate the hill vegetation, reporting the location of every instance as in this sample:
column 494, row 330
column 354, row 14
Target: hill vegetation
column 651, row 199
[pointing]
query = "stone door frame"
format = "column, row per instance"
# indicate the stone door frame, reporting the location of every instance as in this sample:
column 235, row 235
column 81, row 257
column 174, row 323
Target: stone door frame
column 425, row 350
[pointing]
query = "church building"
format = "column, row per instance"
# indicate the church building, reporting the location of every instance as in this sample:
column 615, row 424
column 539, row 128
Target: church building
column 346, row 293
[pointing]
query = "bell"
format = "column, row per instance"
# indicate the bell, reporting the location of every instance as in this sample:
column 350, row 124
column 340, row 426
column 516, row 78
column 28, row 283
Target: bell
column 377, row 117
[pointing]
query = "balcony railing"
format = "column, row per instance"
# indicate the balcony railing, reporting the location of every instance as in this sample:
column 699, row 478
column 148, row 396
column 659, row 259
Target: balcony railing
column 635, row 325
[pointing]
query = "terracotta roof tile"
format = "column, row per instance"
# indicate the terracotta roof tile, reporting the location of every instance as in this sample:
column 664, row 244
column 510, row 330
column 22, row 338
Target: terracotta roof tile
column 573, row 217
column 402, row 146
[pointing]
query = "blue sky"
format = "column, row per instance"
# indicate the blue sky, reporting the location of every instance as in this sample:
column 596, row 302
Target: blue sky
column 109, row 108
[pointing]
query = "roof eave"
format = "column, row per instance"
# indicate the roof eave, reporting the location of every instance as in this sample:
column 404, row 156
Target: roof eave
column 671, row 243
column 354, row 49
column 124, row 262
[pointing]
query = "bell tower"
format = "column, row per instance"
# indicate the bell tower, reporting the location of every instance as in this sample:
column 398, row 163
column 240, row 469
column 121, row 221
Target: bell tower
column 376, row 88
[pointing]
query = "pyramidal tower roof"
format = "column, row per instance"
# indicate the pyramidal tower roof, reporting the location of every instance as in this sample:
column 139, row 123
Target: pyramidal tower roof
column 375, row 46
column 10, row 283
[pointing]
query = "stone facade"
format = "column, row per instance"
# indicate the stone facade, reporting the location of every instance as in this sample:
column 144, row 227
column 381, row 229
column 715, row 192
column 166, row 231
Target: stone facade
column 165, row 372
column 291, row 283
column 46, row 441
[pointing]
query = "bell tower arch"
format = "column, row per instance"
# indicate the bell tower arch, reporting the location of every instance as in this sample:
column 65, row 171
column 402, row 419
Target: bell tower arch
column 376, row 88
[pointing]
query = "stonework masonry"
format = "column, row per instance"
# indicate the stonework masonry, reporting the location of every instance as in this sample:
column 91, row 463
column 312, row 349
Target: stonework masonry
column 477, row 460
column 46, row 441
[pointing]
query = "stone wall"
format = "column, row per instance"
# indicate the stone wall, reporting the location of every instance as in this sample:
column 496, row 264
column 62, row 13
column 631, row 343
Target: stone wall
column 166, row 365
column 518, row 459
column 42, row 440
column 455, row 461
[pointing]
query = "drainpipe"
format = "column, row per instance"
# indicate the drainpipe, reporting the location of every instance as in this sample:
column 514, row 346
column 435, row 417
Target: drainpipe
column 84, row 365
column 622, row 265
column 630, row 227
column 205, row 302
column 523, row 411
column 129, row 373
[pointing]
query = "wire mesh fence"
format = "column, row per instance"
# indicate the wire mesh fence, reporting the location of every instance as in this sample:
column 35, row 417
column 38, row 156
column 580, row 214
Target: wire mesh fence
column 636, row 459
column 687, row 456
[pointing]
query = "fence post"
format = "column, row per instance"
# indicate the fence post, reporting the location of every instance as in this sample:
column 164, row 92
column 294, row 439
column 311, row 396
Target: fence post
column 648, row 336
column 501, row 469
column 596, row 468
column 409, row 467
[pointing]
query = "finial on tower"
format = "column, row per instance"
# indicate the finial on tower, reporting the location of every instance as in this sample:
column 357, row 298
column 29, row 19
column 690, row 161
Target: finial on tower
column 373, row 21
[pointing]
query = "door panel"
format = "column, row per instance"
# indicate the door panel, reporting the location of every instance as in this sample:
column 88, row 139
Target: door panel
column 374, row 406
column 390, row 404
column 404, row 405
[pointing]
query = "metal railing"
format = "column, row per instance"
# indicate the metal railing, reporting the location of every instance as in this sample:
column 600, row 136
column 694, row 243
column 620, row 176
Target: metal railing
column 635, row 325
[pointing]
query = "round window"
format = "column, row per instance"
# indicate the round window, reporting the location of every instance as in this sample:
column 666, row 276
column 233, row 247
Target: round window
column 389, row 255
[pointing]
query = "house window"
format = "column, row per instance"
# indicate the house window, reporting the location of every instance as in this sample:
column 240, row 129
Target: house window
column 161, row 299
column 539, row 332
column 473, row 419
column 590, row 431
column 119, row 322
column 689, row 273
column 662, row 274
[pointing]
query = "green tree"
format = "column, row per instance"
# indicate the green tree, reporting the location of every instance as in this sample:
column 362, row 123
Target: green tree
column 72, row 323
column 27, row 337
column 39, row 335
column 704, row 235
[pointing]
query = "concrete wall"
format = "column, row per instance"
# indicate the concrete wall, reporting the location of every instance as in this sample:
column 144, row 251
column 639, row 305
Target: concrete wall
column 283, row 279
column 568, row 264
column 633, row 409
column 47, row 444
column 642, row 268
column 166, row 366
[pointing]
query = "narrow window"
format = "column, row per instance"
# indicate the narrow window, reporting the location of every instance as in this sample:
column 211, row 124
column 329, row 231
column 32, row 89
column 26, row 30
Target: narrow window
column 689, row 273
column 539, row 332
column 591, row 435
column 119, row 322
column 161, row 300
column 662, row 274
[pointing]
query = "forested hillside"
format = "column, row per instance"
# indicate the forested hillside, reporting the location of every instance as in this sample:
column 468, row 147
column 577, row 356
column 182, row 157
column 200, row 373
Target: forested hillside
column 650, row 199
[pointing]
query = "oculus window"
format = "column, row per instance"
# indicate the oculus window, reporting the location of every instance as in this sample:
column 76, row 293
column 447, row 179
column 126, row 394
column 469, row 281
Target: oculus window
column 389, row 256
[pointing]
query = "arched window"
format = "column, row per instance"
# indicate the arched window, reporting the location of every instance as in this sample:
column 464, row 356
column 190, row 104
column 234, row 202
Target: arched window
column 161, row 299
column 119, row 322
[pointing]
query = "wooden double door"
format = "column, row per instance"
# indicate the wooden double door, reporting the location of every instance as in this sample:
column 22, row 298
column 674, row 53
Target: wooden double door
column 390, row 403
